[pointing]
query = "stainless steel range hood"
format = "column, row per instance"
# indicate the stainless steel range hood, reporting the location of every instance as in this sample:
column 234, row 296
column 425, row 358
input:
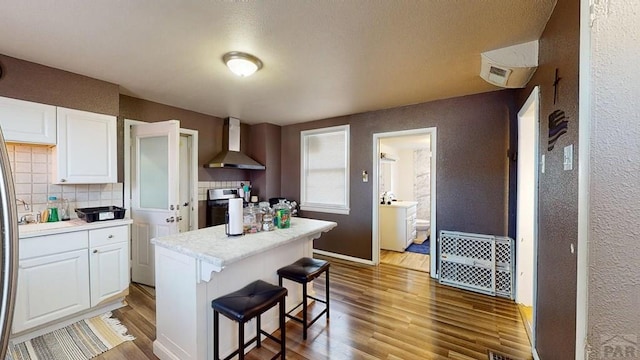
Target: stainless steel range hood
column 230, row 156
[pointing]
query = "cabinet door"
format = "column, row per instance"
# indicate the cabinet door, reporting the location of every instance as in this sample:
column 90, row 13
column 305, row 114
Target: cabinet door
column 86, row 151
column 109, row 271
column 27, row 122
column 51, row 287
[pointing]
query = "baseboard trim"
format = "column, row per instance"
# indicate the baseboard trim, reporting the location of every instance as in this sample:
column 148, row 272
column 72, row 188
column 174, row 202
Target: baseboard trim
column 343, row 257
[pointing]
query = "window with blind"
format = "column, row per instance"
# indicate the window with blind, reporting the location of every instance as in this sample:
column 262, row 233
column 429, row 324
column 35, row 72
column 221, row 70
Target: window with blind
column 324, row 183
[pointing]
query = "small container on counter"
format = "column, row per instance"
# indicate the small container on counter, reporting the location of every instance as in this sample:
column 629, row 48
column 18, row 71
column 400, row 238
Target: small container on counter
column 267, row 221
column 252, row 219
column 282, row 215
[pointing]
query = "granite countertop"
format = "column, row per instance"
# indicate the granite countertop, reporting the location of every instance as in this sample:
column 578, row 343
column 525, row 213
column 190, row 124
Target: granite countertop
column 212, row 245
column 404, row 204
column 59, row 227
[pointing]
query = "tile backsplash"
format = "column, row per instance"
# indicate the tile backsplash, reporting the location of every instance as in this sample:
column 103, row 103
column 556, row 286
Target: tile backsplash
column 32, row 167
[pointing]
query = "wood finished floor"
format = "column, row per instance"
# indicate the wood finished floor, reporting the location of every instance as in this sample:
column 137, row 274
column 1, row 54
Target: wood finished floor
column 383, row 312
column 405, row 259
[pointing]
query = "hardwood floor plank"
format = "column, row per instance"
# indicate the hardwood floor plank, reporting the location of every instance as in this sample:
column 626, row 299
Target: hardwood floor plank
column 383, row 312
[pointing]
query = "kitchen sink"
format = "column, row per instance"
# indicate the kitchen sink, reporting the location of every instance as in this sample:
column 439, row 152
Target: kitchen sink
column 27, row 228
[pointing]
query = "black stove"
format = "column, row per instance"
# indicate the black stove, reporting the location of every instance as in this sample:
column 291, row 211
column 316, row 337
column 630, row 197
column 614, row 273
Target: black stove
column 218, row 205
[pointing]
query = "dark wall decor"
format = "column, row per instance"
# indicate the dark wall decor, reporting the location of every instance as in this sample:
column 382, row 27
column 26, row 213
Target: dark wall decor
column 558, row 126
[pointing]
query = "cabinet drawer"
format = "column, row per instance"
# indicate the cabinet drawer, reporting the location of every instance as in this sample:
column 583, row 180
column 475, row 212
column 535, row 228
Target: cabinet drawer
column 110, row 235
column 52, row 244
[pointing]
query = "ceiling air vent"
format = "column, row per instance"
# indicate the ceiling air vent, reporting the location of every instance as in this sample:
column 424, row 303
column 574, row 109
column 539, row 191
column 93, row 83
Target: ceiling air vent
column 510, row 67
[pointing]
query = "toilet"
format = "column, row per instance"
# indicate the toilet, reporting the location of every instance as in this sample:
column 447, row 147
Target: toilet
column 423, row 225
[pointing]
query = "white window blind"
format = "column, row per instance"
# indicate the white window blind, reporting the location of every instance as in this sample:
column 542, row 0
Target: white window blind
column 324, row 184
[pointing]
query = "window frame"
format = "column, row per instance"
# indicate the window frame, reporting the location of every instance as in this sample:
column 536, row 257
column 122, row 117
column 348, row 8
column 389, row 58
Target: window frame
column 305, row 135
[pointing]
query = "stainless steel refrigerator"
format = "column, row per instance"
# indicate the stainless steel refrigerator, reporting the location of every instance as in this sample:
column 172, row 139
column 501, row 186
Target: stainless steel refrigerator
column 8, row 248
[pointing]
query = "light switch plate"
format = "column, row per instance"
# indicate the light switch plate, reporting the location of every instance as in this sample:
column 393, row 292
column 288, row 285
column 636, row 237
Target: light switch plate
column 568, row 157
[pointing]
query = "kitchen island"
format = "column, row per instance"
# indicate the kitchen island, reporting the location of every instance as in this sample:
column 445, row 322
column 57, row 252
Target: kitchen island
column 195, row 267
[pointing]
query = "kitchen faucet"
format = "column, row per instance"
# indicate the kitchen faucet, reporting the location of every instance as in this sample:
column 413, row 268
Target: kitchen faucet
column 26, row 204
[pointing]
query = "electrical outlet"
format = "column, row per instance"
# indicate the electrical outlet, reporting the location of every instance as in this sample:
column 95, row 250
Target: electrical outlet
column 365, row 176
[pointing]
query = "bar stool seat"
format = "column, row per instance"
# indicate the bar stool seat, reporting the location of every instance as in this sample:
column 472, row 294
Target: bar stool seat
column 245, row 304
column 303, row 271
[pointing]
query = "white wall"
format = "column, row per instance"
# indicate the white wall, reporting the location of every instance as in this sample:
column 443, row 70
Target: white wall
column 614, row 214
column 404, row 175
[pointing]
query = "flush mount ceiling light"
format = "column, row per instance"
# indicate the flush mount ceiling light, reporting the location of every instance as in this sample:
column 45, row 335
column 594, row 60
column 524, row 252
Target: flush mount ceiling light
column 242, row 64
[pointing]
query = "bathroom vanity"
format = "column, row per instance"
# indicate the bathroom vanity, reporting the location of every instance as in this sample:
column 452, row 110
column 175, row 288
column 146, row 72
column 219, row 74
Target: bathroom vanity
column 397, row 225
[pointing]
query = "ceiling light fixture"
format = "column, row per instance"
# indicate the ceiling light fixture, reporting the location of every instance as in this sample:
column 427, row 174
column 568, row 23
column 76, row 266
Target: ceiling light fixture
column 242, row 64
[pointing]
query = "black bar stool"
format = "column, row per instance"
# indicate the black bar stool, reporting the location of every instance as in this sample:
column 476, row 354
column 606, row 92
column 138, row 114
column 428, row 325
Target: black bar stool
column 245, row 304
column 303, row 271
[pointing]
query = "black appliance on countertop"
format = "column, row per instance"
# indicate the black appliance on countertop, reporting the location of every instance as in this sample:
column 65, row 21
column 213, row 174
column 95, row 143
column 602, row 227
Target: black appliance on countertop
column 218, row 205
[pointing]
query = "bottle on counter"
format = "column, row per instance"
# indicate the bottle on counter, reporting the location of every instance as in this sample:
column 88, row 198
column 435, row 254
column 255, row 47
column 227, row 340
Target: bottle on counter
column 52, row 208
column 282, row 216
column 64, row 210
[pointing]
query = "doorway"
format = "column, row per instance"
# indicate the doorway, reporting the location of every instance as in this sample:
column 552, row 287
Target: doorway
column 527, row 209
column 163, row 198
column 405, row 170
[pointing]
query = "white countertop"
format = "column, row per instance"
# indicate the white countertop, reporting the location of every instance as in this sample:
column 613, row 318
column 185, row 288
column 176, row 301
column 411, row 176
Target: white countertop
column 212, row 245
column 58, row 227
column 404, row 204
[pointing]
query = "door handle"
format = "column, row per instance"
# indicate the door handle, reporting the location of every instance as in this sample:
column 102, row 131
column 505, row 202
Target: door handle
column 171, row 219
column 179, row 218
column 172, row 207
column 186, row 204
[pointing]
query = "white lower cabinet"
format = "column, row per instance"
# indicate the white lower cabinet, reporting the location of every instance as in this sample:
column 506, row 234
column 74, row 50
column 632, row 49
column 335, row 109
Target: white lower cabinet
column 63, row 274
column 109, row 259
column 397, row 228
column 51, row 285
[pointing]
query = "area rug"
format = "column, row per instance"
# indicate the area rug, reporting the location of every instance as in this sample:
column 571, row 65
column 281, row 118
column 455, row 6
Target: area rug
column 82, row 340
column 419, row 248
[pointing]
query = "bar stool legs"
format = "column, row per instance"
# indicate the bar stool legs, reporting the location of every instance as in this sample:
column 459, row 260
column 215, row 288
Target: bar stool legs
column 245, row 304
column 304, row 271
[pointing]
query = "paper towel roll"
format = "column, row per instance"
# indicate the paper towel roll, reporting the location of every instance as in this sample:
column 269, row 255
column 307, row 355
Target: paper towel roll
column 234, row 222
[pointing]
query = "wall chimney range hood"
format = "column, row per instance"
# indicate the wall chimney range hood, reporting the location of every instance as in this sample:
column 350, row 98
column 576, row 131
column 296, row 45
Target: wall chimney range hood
column 230, row 157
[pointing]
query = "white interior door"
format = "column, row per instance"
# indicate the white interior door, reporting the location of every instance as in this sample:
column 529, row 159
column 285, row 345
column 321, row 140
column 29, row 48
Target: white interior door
column 154, row 192
column 527, row 200
column 185, row 182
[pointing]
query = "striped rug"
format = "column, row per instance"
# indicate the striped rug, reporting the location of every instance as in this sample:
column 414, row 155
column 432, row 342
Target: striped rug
column 79, row 341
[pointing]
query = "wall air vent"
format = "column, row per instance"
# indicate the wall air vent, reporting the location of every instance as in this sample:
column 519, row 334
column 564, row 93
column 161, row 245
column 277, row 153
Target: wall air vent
column 510, row 67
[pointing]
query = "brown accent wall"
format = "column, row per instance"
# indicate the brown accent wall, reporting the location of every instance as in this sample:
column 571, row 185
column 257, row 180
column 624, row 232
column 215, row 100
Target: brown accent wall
column 29, row 81
column 209, row 133
column 558, row 189
column 265, row 148
column 472, row 181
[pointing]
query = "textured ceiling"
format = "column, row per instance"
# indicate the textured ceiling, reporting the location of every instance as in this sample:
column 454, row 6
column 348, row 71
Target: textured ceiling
column 321, row 58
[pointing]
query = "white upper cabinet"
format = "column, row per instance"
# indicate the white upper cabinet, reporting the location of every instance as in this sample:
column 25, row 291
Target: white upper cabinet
column 86, row 151
column 27, row 122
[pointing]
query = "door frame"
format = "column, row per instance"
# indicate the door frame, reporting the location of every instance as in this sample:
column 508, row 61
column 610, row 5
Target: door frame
column 532, row 103
column 128, row 123
column 375, row 243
